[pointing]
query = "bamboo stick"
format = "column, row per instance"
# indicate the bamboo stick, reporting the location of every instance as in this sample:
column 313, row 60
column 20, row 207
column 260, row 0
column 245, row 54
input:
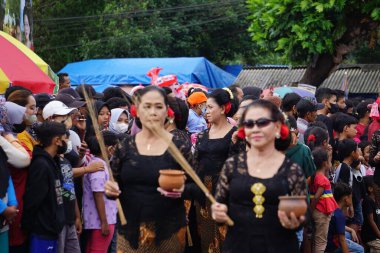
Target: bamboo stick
column 177, row 155
column 103, row 150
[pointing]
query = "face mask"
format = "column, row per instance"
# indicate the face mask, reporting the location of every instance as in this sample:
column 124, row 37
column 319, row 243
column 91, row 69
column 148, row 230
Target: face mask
column 69, row 147
column 30, row 119
column 204, row 111
column 121, row 127
column 19, row 128
column 62, row 149
column 333, row 108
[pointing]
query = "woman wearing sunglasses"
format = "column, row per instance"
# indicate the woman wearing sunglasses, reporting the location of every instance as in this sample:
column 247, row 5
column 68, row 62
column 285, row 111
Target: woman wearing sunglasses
column 211, row 151
column 251, row 182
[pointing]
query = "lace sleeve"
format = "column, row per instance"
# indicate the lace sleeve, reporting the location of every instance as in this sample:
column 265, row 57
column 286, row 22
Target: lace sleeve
column 223, row 186
column 239, row 146
column 117, row 159
column 375, row 140
column 296, row 180
column 196, row 158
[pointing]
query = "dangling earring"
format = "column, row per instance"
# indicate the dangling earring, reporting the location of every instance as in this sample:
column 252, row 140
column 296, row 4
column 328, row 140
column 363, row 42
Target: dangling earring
column 278, row 135
column 171, row 121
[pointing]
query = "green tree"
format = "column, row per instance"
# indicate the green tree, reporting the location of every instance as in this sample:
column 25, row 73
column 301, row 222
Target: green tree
column 216, row 30
column 321, row 33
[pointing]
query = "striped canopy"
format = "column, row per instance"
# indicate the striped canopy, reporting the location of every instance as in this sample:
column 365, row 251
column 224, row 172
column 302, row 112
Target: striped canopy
column 20, row 66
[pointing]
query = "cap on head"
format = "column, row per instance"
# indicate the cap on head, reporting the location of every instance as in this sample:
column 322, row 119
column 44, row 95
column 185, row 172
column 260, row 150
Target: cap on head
column 56, row 108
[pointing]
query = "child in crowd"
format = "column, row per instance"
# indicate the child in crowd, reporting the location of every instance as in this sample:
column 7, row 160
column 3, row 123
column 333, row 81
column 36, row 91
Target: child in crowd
column 364, row 147
column 99, row 213
column 350, row 174
column 371, row 213
column 323, row 203
column 44, row 215
column 336, row 239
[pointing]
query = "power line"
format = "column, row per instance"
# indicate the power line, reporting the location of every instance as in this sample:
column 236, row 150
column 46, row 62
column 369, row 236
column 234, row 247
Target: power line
column 81, row 27
column 133, row 13
column 125, row 36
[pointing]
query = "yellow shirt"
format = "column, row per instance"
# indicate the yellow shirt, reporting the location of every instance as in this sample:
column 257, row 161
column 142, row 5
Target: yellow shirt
column 27, row 140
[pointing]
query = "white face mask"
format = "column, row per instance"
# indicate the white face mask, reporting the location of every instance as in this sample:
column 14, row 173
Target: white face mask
column 121, row 127
column 69, row 147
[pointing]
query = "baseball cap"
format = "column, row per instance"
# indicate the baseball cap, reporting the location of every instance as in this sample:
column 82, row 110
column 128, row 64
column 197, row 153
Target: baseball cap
column 56, row 108
column 71, row 92
column 90, row 91
column 70, row 101
column 42, row 99
column 307, row 105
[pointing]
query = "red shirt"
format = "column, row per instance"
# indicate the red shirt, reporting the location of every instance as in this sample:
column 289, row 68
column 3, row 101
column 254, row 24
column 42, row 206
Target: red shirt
column 360, row 128
column 16, row 235
column 326, row 203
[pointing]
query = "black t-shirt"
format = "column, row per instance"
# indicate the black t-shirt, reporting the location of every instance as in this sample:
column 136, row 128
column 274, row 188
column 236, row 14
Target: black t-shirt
column 370, row 207
column 358, row 187
column 68, row 191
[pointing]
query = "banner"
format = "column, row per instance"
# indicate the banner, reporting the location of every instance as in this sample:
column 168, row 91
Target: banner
column 16, row 19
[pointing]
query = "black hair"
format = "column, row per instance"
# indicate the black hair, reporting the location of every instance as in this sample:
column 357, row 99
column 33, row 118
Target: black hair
column 369, row 182
column 48, row 130
column 99, row 105
column 117, row 102
column 362, row 109
column 292, row 122
column 168, row 90
column 349, row 104
column 276, row 115
column 181, row 112
column 28, row 12
column 345, row 148
column 362, row 145
column 339, row 94
column 317, row 124
column 290, row 100
column 342, row 120
column 234, row 88
column 110, row 139
column 115, row 92
column 61, row 77
column 341, row 190
column 323, row 93
column 320, row 134
column 252, row 91
column 12, row 89
column 320, row 156
column 151, row 88
column 222, row 97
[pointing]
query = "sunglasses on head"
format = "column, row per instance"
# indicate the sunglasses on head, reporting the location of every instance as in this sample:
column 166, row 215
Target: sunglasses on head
column 262, row 122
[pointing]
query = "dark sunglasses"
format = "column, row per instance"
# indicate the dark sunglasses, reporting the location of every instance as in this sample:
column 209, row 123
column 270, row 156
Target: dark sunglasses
column 260, row 123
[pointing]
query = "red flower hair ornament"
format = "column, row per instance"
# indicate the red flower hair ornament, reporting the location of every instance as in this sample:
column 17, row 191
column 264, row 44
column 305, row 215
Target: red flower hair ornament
column 284, row 132
column 170, row 113
column 241, row 133
column 227, row 107
column 133, row 111
column 311, row 138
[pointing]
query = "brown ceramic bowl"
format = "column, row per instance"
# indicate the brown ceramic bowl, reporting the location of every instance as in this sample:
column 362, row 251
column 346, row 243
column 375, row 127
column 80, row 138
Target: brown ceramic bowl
column 295, row 204
column 171, row 179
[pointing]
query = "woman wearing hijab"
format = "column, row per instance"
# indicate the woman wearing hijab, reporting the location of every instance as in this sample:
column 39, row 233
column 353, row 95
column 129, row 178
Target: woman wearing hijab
column 12, row 120
column 119, row 121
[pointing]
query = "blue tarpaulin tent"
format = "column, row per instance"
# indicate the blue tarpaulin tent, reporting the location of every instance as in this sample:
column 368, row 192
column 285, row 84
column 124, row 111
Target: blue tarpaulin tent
column 105, row 72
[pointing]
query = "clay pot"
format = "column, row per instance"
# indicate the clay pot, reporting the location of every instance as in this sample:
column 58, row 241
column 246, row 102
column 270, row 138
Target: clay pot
column 295, row 204
column 171, row 179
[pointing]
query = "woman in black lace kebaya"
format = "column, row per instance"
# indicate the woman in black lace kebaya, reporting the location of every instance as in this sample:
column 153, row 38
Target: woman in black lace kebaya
column 155, row 222
column 251, row 182
column 211, row 151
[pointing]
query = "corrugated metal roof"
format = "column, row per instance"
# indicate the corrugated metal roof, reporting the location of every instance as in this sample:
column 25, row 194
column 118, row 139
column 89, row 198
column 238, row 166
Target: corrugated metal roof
column 362, row 78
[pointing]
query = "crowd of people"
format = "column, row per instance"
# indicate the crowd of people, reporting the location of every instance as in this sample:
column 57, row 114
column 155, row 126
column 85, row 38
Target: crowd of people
column 58, row 192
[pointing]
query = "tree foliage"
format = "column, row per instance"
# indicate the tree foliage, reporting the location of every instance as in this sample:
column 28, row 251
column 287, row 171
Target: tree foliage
column 304, row 29
column 168, row 28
